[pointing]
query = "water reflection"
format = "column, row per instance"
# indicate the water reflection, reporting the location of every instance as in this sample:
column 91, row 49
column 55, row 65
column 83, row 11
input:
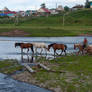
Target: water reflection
column 27, row 58
column 34, row 58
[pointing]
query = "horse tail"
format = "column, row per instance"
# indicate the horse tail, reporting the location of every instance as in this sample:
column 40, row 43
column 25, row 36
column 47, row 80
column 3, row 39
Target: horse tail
column 65, row 47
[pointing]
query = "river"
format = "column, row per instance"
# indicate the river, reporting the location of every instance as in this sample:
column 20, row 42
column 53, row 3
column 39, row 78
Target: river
column 8, row 50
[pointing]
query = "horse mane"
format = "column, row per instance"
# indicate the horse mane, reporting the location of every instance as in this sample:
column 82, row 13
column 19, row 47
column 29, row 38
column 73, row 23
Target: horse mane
column 51, row 44
column 18, row 44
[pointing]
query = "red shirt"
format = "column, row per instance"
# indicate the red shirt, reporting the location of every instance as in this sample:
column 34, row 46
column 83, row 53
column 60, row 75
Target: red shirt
column 85, row 41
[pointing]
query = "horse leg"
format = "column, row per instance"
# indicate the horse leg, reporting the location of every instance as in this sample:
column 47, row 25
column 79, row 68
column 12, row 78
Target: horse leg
column 21, row 50
column 41, row 50
column 61, row 52
column 78, row 52
column 32, row 49
column 65, row 52
column 27, row 50
column 54, row 52
column 45, row 51
column 36, row 50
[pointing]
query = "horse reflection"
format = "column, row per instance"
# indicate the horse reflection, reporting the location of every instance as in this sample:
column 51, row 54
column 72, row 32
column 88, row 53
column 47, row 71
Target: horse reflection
column 31, row 58
column 27, row 59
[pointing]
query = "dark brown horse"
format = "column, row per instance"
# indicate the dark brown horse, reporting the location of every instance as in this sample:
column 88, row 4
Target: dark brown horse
column 56, row 46
column 25, row 46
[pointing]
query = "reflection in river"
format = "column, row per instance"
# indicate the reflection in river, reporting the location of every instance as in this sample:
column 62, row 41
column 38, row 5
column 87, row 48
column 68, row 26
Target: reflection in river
column 27, row 58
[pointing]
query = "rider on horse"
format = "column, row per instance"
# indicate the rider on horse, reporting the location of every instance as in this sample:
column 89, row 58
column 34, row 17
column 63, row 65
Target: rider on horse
column 85, row 43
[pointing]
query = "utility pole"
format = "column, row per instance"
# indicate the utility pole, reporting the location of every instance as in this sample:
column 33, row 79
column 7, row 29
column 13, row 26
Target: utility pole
column 64, row 18
column 17, row 19
column 56, row 5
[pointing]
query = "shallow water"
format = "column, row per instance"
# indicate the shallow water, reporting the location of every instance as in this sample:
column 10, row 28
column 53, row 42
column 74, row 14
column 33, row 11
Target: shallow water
column 7, row 84
column 8, row 51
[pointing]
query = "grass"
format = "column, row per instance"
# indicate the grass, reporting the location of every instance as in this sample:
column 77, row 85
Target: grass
column 9, row 66
column 76, row 23
column 52, row 31
column 77, row 76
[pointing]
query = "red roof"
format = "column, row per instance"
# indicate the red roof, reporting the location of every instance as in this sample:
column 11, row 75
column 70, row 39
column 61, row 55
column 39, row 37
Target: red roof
column 46, row 10
column 9, row 12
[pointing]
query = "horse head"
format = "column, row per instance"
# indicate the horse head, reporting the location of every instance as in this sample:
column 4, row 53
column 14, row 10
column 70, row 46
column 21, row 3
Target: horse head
column 15, row 45
column 18, row 44
column 48, row 48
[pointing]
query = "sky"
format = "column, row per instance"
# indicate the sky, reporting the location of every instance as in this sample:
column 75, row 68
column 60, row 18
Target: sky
column 35, row 4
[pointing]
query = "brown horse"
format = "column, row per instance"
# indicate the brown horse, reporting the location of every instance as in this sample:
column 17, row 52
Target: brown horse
column 25, row 46
column 80, row 47
column 55, row 46
column 89, row 49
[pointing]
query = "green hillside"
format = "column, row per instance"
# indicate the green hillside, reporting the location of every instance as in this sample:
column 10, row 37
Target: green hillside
column 76, row 23
column 80, row 17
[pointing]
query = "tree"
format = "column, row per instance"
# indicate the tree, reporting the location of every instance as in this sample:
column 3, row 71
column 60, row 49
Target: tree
column 87, row 4
column 66, row 8
column 43, row 5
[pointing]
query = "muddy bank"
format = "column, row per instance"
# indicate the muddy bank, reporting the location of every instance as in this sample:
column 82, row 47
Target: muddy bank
column 15, row 33
column 29, row 78
column 85, row 34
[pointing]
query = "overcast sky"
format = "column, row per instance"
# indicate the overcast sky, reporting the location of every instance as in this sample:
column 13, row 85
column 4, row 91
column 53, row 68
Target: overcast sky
column 35, row 4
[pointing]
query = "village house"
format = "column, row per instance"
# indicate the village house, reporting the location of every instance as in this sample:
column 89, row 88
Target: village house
column 43, row 12
column 60, row 8
column 77, row 7
column 21, row 13
column 54, row 11
column 7, row 12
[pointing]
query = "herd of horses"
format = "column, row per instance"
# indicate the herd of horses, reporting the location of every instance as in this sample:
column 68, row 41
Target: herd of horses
column 55, row 47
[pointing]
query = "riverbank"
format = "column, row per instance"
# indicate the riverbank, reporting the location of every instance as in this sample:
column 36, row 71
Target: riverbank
column 9, row 66
column 44, row 31
column 71, row 73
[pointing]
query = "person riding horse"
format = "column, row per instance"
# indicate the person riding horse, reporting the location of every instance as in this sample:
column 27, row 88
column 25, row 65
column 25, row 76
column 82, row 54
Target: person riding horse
column 85, row 43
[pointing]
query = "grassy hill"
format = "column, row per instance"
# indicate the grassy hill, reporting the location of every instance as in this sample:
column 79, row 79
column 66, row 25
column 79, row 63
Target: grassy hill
column 76, row 23
column 80, row 17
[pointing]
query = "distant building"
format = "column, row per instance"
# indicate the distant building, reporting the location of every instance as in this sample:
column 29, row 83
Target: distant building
column 21, row 13
column 77, row 7
column 7, row 12
column 44, row 12
column 54, row 11
column 10, row 13
column 60, row 8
